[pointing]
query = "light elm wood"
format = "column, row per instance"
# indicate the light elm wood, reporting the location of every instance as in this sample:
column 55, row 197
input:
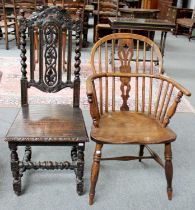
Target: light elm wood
column 134, row 124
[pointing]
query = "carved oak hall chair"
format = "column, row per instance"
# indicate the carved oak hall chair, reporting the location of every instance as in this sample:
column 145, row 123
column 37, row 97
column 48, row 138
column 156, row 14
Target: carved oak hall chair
column 129, row 107
column 50, row 124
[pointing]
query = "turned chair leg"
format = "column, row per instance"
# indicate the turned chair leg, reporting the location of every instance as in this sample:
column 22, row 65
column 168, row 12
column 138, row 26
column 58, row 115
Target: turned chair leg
column 15, row 169
column 95, row 172
column 28, row 153
column 141, row 152
column 168, row 169
column 80, row 168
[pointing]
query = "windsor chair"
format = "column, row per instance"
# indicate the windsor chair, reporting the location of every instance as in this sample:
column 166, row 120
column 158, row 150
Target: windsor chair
column 130, row 106
column 49, row 124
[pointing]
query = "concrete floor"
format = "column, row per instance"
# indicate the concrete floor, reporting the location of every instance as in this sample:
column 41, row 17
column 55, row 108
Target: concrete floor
column 121, row 185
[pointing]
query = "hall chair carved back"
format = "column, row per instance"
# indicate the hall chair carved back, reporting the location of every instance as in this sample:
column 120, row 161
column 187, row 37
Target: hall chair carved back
column 7, row 23
column 49, row 124
column 137, row 52
column 130, row 108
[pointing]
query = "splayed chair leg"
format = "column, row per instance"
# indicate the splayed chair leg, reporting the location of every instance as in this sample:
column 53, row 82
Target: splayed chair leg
column 141, row 152
column 95, row 172
column 168, row 169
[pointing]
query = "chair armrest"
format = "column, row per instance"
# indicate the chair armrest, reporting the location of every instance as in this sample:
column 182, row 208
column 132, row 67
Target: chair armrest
column 92, row 99
column 172, row 109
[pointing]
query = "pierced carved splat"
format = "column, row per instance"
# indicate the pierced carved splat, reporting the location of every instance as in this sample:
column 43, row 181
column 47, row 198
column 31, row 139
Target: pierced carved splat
column 125, row 54
column 51, row 39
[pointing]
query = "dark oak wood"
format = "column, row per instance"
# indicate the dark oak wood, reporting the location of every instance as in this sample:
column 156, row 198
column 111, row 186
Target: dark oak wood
column 140, row 117
column 49, row 124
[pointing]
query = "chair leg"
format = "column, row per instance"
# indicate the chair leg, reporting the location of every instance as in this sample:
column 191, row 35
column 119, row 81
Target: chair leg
column 80, row 168
column 141, row 152
column 28, row 153
column 15, row 169
column 96, row 33
column 168, row 169
column 17, row 35
column 95, row 172
column 190, row 33
column 6, row 38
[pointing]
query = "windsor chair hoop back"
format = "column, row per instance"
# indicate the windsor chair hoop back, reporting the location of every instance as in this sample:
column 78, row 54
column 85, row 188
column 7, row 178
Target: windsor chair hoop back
column 139, row 53
column 130, row 107
column 49, row 124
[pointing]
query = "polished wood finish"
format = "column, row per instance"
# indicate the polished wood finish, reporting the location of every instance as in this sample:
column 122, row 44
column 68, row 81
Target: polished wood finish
column 139, row 117
column 49, row 125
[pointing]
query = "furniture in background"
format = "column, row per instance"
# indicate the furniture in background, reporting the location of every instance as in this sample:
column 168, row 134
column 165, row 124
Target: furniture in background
column 28, row 6
column 50, row 124
column 163, row 6
column 139, row 117
column 187, row 23
column 133, row 3
column 149, row 4
column 7, row 23
column 174, row 13
column 105, row 9
column 144, row 24
column 139, row 13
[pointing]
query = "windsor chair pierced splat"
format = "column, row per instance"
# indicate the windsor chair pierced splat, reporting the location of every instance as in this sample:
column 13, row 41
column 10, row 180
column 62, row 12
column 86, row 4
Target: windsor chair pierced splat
column 130, row 106
column 51, row 124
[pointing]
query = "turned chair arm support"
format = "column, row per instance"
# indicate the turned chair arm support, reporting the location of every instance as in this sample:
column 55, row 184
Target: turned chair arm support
column 92, row 99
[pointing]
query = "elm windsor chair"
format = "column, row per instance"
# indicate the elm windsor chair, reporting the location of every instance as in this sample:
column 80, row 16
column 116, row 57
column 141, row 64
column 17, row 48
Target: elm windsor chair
column 51, row 124
column 130, row 107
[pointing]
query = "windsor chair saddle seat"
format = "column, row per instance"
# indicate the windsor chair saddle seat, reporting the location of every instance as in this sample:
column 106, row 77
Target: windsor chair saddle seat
column 49, row 124
column 131, row 102
column 130, row 128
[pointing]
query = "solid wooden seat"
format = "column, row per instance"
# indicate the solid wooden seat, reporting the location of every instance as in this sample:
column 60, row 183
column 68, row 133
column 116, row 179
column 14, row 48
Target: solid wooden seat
column 130, row 104
column 130, row 128
column 48, row 123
